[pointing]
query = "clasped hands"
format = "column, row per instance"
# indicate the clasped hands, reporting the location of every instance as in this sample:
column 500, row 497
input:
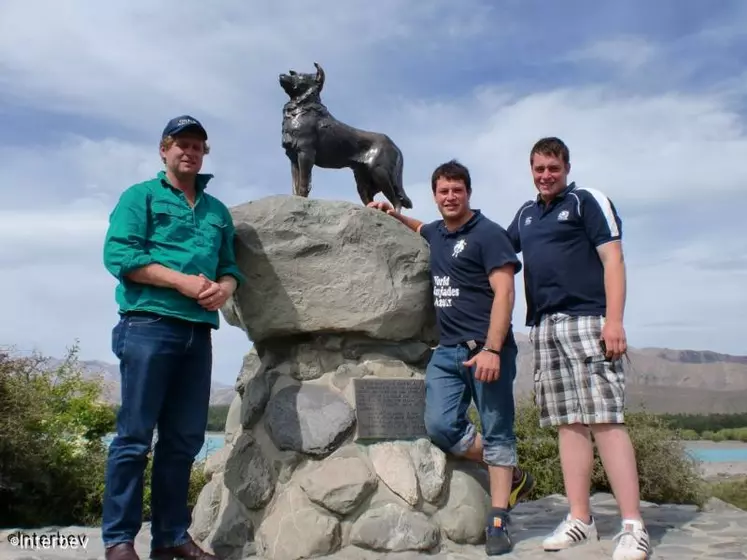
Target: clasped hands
column 210, row 295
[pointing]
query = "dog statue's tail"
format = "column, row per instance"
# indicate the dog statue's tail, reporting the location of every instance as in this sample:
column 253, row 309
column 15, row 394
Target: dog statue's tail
column 398, row 184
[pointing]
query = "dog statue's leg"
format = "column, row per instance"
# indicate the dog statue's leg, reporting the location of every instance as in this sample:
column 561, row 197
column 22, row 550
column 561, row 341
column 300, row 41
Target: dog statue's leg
column 381, row 179
column 294, row 176
column 364, row 184
column 305, row 164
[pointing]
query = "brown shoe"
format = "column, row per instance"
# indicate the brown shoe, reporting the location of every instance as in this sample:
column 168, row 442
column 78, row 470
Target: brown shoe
column 121, row 551
column 188, row 551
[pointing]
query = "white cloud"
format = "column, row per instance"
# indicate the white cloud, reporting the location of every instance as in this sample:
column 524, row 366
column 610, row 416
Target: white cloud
column 657, row 154
column 626, row 53
column 137, row 61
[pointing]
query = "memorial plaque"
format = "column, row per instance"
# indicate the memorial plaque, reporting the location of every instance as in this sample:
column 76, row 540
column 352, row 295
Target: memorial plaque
column 390, row 408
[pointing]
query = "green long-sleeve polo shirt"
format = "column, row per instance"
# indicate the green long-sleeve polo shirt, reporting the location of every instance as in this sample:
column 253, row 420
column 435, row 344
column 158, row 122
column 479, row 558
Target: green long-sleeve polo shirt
column 153, row 223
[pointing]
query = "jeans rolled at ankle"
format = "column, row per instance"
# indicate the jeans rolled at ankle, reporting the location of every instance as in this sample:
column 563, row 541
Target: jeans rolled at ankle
column 450, row 386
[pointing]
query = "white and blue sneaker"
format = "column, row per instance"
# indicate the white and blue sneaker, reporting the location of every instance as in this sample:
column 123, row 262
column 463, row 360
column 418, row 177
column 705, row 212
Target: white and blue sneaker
column 632, row 541
column 569, row 533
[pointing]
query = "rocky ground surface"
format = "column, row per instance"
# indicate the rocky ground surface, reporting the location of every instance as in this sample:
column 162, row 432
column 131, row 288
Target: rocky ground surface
column 677, row 532
column 727, row 469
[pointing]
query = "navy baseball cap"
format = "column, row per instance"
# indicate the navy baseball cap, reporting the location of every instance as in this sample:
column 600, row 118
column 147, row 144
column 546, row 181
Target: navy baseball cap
column 178, row 124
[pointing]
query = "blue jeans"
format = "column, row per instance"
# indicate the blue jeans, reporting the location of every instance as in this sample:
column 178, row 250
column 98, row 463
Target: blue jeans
column 165, row 366
column 450, row 386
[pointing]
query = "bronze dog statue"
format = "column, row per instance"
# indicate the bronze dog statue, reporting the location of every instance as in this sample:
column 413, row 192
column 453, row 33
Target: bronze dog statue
column 312, row 136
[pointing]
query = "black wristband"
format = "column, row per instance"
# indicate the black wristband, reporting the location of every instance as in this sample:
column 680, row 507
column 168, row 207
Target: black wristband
column 492, row 351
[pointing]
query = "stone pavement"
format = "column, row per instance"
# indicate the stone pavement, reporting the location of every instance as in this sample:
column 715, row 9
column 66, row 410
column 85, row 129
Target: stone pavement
column 677, row 533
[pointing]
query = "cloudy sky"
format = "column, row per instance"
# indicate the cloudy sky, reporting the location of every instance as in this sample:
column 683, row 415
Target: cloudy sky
column 650, row 96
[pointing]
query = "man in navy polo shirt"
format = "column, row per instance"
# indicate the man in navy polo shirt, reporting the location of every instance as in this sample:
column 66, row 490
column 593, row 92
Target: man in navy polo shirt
column 574, row 276
column 473, row 266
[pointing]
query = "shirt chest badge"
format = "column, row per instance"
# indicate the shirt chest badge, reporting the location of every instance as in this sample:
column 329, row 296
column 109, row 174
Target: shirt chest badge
column 563, row 216
column 459, row 246
column 528, row 220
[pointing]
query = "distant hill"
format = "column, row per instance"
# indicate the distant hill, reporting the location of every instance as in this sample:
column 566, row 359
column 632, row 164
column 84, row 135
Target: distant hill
column 660, row 379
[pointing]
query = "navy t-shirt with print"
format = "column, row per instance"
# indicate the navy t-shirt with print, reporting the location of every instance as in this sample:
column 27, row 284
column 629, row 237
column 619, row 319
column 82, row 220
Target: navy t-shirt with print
column 460, row 264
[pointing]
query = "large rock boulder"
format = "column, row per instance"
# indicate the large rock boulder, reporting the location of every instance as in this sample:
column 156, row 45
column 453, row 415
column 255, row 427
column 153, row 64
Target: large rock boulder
column 328, row 266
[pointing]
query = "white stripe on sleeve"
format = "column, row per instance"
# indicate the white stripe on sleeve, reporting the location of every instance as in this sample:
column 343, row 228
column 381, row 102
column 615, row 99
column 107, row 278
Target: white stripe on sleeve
column 606, row 208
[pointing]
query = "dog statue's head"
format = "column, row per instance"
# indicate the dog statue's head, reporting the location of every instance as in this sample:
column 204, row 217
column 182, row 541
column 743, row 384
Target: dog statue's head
column 297, row 85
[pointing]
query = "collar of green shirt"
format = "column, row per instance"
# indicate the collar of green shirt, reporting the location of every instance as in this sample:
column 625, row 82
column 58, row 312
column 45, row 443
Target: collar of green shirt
column 201, row 182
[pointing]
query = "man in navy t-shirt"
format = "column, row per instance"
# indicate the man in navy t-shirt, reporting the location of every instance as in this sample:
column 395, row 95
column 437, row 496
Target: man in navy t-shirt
column 473, row 266
column 574, row 277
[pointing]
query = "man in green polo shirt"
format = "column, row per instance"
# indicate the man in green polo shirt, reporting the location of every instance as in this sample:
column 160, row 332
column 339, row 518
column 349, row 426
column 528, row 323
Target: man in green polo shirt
column 170, row 245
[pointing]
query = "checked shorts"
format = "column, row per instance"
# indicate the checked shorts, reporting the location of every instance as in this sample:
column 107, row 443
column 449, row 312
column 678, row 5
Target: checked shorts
column 573, row 380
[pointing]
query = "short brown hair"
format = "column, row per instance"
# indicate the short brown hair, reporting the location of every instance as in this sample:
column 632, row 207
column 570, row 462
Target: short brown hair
column 167, row 141
column 551, row 146
column 454, row 171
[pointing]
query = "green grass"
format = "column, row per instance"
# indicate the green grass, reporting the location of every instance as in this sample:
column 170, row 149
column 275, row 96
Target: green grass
column 731, row 491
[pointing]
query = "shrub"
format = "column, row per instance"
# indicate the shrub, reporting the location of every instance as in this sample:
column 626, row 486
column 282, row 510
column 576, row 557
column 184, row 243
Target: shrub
column 731, row 434
column 689, row 435
column 52, row 454
column 666, row 473
column 720, row 436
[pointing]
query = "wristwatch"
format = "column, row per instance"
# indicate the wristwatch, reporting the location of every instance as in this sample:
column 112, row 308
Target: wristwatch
column 491, row 350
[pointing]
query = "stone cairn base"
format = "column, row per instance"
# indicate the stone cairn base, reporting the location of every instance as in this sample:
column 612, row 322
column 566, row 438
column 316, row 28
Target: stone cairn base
column 292, row 481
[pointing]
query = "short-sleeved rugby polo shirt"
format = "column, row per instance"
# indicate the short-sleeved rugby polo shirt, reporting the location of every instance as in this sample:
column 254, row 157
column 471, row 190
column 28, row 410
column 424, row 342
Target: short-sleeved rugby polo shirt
column 562, row 269
column 461, row 262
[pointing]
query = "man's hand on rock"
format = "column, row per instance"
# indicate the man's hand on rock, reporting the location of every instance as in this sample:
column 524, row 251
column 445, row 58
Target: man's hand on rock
column 383, row 206
column 192, row 286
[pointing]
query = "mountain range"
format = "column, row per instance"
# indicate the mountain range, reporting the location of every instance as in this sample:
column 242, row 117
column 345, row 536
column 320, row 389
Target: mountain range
column 661, row 380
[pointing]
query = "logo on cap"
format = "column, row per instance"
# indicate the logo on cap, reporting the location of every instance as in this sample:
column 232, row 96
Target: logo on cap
column 178, row 124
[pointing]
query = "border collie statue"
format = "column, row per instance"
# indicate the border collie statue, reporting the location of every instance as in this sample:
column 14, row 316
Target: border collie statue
column 312, row 136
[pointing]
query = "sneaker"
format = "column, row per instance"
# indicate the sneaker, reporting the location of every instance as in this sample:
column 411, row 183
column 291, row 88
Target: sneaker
column 497, row 539
column 570, row 532
column 632, row 542
column 520, row 488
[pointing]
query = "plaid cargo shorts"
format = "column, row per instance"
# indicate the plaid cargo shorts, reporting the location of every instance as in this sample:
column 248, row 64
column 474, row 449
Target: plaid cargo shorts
column 573, row 380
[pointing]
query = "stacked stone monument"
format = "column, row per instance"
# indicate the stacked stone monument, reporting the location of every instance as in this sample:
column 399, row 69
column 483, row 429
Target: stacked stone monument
column 325, row 439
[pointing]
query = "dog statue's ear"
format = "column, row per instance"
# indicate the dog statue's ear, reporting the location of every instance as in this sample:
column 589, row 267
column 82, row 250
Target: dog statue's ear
column 319, row 75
